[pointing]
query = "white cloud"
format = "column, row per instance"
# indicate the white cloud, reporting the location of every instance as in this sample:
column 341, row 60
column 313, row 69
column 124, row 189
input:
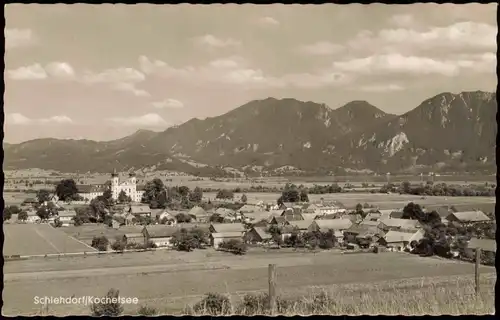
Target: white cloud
column 18, row 38
column 130, row 87
column 381, row 88
column 402, row 20
column 270, row 21
column 60, row 70
column 321, row 48
column 236, row 71
column 212, row 41
column 114, row 76
column 396, row 63
column 168, row 103
column 458, row 36
column 32, row 72
column 19, row 119
column 147, row 120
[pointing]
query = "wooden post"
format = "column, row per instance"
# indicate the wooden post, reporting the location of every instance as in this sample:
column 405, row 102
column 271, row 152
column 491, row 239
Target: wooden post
column 478, row 262
column 272, row 288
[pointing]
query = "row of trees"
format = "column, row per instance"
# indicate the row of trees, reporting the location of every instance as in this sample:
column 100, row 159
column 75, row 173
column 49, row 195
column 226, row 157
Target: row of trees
column 291, row 193
column 440, row 189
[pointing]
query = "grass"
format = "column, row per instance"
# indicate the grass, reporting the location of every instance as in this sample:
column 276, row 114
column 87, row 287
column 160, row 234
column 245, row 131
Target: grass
column 451, row 298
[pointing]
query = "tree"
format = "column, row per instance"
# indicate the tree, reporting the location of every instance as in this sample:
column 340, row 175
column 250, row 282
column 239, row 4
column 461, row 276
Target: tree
column 303, row 196
column 9, row 211
column 58, row 223
column 147, row 311
column 98, row 209
column 43, row 196
column 243, row 198
column 290, row 193
column 235, row 246
column 196, row 195
column 22, row 216
column 66, row 190
column 123, row 197
column 413, row 211
column 43, row 213
column 118, row 245
column 224, row 194
column 100, row 243
column 216, row 218
column 152, row 190
column 359, row 209
column 184, row 240
column 183, row 218
column 109, row 307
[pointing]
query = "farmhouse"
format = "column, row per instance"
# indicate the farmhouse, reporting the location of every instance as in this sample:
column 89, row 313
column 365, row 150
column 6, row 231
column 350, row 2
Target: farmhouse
column 140, row 210
column 226, row 227
column 66, row 217
column 257, row 235
column 217, row 238
column 138, row 238
column 398, row 241
column 334, row 224
column 301, row 225
column 401, row 224
column 160, row 235
column 364, row 232
column 257, row 216
column 198, row 212
column 378, row 224
column 485, row 244
column 292, row 215
column 279, row 221
column 467, row 217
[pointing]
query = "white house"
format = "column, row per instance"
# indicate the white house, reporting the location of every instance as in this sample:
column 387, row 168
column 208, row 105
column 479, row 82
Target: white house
column 90, row 192
column 128, row 186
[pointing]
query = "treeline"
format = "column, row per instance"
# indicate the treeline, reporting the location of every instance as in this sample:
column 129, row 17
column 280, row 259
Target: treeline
column 441, row 189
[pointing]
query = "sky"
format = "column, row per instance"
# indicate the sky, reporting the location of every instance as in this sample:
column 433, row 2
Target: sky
column 102, row 72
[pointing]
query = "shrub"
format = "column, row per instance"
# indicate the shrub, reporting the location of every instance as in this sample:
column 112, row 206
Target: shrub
column 100, row 243
column 119, row 245
column 235, row 246
column 147, row 311
column 108, row 308
column 213, row 304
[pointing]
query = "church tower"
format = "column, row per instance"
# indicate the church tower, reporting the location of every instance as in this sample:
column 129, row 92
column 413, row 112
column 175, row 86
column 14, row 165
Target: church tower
column 132, row 179
column 114, row 184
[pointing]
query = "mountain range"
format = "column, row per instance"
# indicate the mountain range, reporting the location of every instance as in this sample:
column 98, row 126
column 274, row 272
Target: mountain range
column 446, row 133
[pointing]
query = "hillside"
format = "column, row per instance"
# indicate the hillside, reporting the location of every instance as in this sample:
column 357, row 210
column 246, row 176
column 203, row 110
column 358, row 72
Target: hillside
column 275, row 135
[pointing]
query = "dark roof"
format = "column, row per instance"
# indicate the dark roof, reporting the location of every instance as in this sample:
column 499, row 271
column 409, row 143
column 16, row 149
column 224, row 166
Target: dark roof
column 228, row 227
column 140, row 209
column 485, row 244
column 263, row 234
column 87, row 188
column 160, row 231
column 470, row 216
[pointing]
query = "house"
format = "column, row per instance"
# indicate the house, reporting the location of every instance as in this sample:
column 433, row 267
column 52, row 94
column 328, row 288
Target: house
column 399, row 241
column 32, row 217
column 310, row 216
column 301, row 225
column 247, row 208
column 401, row 224
column 160, row 235
column 257, row 235
column 140, row 210
column 167, row 217
column 381, row 214
column 66, row 217
column 226, row 227
column 138, row 238
column 279, row 221
column 468, row 217
column 217, row 238
column 333, row 224
column 378, row 224
column 292, row 215
column 363, row 231
column 256, row 216
column 331, row 207
column 205, row 227
column 224, row 212
column 90, row 192
column 198, row 212
column 29, row 202
column 485, row 244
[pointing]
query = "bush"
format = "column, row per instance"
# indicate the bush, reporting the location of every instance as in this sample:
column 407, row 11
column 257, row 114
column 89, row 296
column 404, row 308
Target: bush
column 147, row 311
column 100, row 243
column 107, row 308
column 235, row 246
column 213, row 304
column 119, row 245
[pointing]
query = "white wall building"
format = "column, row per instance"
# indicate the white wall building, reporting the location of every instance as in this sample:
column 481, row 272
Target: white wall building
column 129, row 186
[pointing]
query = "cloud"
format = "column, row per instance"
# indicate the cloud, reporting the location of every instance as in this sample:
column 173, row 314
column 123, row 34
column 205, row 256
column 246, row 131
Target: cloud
column 32, row 72
column 118, row 75
column 459, row 36
column 236, row 71
column 212, row 41
column 19, row 119
column 147, row 120
column 168, row 103
column 321, row 48
column 56, row 70
column 130, row 87
column 381, row 88
column 402, row 20
column 269, row 21
column 18, row 38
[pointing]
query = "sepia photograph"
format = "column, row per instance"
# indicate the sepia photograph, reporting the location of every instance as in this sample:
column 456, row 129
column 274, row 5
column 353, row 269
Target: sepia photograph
column 224, row 159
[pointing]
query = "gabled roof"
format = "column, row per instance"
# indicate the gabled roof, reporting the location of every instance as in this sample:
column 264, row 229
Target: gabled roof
column 470, row 216
column 263, row 234
column 309, row 216
column 197, row 211
column 364, row 230
column 401, row 223
column 66, row 213
column 134, row 235
column 333, row 224
column 140, row 209
column 371, row 223
column 279, row 220
column 223, row 212
column 86, row 188
column 301, row 224
column 484, row 244
column 228, row 234
column 248, row 208
column 292, row 216
column 227, row 227
column 160, row 231
column 258, row 215
column 397, row 236
column 189, row 226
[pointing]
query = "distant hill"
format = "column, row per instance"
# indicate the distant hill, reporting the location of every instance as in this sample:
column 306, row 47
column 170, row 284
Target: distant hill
column 454, row 132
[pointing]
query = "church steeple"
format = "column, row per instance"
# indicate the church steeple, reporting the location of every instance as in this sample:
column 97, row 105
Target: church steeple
column 114, row 174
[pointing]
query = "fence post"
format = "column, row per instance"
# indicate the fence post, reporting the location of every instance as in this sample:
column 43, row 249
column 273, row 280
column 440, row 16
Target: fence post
column 272, row 288
column 476, row 271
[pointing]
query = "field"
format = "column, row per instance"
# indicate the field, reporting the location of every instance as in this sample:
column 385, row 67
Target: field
column 170, row 280
column 383, row 201
column 39, row 239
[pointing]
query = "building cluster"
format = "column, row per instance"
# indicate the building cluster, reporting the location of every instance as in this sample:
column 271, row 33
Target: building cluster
column 128, row 186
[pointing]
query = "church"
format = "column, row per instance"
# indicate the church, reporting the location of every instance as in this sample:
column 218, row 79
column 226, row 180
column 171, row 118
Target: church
column 129, row 186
